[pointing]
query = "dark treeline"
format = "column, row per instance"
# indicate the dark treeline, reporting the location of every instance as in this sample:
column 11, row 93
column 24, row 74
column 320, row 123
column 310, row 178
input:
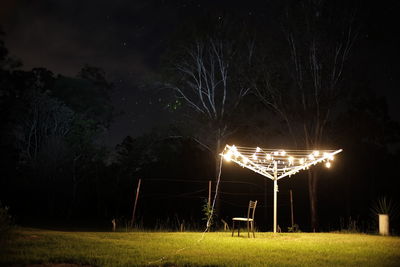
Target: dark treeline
column 276, row 83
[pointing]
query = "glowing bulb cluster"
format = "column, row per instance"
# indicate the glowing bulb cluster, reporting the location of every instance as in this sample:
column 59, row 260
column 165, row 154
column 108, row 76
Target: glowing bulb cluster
column 228, row 155
column 282, row 160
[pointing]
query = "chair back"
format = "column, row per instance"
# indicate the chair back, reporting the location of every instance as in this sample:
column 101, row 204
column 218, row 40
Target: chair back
column 252, row 209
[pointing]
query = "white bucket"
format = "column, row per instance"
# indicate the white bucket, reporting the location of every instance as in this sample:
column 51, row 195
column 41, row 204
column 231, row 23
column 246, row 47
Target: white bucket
column 383, row 224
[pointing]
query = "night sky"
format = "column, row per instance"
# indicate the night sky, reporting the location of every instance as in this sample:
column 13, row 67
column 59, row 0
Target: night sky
column 127, row 39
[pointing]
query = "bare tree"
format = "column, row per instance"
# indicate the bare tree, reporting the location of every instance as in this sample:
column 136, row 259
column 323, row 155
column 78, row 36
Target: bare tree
column 46, row 118
column 319, row 44
column 209, row 83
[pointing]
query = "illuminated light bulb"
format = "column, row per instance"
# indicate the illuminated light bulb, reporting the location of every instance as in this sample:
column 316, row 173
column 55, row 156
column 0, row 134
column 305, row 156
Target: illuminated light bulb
column 245, row 160
column 268, row 156
column 328, row 164
column 328, row 156
column 233, row 150
column 254, row 156
column 276, row 153
column 258, row 149
column 291, row 160
column 311, row 157
column 316, row 153
column 283, row 153
column 228, row 156
column 301, row 161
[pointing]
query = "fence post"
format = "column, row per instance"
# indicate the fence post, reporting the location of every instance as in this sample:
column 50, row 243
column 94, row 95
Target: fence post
column 209, row 193
column 291, row 206
column 136, row 199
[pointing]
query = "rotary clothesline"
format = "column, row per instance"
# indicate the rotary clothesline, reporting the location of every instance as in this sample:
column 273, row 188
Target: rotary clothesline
column 276, row 164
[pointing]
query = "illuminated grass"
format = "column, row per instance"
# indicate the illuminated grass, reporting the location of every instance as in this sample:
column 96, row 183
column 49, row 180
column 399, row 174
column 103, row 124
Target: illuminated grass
column 33, row 246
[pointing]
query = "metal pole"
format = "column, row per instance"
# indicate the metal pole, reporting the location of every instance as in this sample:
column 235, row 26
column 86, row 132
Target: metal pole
column 291, row 206
column 265, row 201
column 275, row 194
column 136, row 199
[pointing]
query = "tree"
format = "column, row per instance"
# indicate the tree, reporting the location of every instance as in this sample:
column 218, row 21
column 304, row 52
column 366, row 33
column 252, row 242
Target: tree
column 89, row 96
column 306, row 92
column 46, row 119
column 209, row 83
column 55, row 128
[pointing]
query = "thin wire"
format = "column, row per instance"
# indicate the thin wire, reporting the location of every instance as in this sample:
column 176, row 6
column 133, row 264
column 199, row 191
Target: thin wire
column 281, row 149
column 215, row 197
column 258, row 206
column 176, row 180
column 208, row 221
column 175, row 195
column 195, row 181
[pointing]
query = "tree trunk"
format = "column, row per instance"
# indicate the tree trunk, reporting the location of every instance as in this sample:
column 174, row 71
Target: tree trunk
column 312, row 192
column 265, row 204
column 216, row 174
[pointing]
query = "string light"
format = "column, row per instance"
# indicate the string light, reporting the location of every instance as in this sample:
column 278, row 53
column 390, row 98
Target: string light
column 287, row 162
column 328, row 164
column 228, row 155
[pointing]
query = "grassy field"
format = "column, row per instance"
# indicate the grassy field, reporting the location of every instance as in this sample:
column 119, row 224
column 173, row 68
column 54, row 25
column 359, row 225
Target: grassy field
column 34, row 246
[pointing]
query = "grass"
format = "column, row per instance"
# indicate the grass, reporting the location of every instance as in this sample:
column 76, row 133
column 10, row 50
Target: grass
column 34, row 246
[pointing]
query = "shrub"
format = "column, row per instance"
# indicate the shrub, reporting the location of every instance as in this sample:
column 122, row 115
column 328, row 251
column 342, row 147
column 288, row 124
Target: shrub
column 385, row 205
column 5, row 222
column 294, row 229
column 208, row 213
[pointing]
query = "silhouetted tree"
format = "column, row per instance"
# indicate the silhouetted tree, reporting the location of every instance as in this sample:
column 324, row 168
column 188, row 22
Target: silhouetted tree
column 208, row 82
column 305, row 93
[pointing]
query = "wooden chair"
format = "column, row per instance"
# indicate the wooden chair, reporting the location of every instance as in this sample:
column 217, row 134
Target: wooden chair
column 250, row 219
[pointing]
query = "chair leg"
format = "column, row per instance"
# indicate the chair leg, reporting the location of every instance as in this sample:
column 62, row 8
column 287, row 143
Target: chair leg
column 238, row 228
column 233, row 227
column 252, row 227
column 248, row 229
